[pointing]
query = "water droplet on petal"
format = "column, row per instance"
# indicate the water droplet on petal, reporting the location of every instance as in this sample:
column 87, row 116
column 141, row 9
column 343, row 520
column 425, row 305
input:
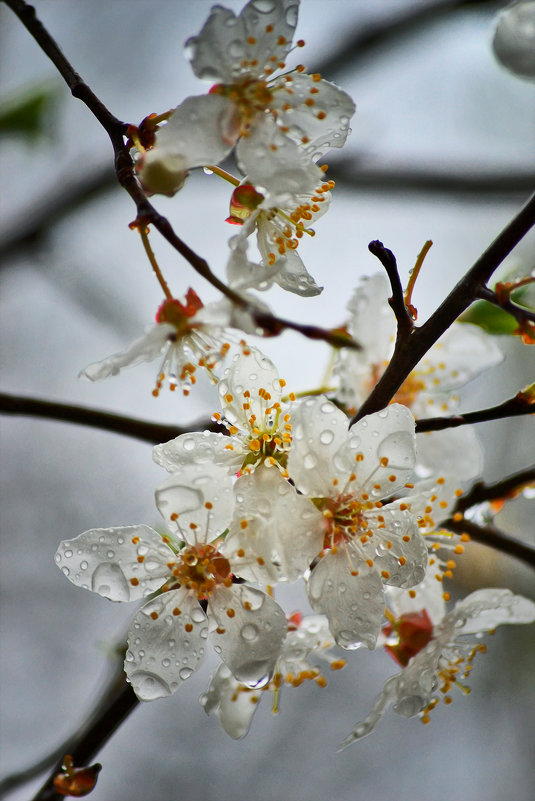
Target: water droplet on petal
column 310, row 461
column 109, row 580
column 249, row 632
column 148, row 686
column 185, row 673
column 68, row 554
column 263, row 6
column 326, row 437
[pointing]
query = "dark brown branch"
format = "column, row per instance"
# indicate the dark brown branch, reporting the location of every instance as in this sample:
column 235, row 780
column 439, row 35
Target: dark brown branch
column 520, row 313
column 118, row 423
column 397, row 301
column 506, row 488
column 462, row 295
column 89, row 741
column 494, row 538
column 514, row 407
column 124, row 168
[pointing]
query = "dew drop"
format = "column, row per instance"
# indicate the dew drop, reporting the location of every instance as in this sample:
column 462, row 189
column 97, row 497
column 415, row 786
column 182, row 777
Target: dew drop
column 249, row 632
column 291, row 16
column 197, row 615
column 263, row 6
column 65, row 571
column 68, row 554
column 185, row 673
column 57, row 558
column 148, row 686
column 166, row 662
column 326, row 437
column 189, row 444
column 83, row 565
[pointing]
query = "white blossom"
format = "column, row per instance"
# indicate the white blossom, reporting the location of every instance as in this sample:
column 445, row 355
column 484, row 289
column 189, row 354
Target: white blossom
column 308, row 639
column 367, row 543
column 258, row 422
column 447, row 658
column 167, row 636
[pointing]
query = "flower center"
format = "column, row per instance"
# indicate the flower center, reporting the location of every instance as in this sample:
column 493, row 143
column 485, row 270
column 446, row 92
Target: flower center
column 176, row 313
column 409, row 633
column 344, row 518
column 250, row 97
column 201, row 568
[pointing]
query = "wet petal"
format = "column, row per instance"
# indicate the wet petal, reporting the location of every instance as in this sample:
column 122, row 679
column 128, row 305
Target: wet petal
column 234, row 703
column 166, row 643
column 485, row 609
column 122, row 564
column 145, row 349
column 198, row 447
column 197, row 502
column 354, row 604
column 399, row 551
column 319, row 432
column 317, row 113
column 227, row 44
column 251, row 373
column 247, row 629
column 275, row 533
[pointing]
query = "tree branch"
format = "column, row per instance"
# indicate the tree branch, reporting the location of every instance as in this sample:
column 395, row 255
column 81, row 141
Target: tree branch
column 514, row 407
column 493, row 538
column 397, row 301
column 146, row 213
column 462, row 295
column 520, row 313
column 94, row 418
column 506, row 488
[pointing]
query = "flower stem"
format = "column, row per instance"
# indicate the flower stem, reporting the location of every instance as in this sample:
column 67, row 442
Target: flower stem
column 144, row 233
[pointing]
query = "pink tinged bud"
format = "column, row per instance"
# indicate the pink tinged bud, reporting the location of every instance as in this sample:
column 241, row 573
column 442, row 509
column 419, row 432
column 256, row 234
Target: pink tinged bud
column 174, row 312
column 414, row 630
column 245, row 199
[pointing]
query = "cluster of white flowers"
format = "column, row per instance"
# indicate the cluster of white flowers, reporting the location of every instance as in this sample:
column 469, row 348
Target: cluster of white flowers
column 290, row 491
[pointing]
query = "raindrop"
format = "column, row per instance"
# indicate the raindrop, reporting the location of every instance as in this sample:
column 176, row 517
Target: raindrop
column 291, row 16
column 149, row 686
column 185, row 673
column 166, row 662
column 249, row 632
column 120, row 540
column 68, row 554
column 65, row 571
column 189, row 444
column 310, row 461
column 197, row 615
column 109, row 580
column 217, row 649
column 110, row 554
column 204, row 633
column 263, row 6
column 326, row 437
column 129, row 657
column 57, row 558
column 171, row 643
column 83, row 565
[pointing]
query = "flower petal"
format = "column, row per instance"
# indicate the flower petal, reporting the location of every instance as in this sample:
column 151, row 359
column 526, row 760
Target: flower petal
column 319, row 431
column 247, row 629
column 354, row 604
column 166, row 643
column 255, row 374
column 198, row 447
column 317, row 113
column 197, row 502
column 276, row 532
column 229, row 46
column 485, row 609
column 398, row 548
column 144, row 349
column 122, row 564
column 234, row 703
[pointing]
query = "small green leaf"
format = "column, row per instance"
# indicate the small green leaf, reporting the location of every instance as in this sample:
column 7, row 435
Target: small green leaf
column 490, row 318
column 27, row 113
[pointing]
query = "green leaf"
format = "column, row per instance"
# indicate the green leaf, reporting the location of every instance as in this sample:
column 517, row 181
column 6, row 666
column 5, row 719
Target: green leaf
column 28, row 113
column 490, row 318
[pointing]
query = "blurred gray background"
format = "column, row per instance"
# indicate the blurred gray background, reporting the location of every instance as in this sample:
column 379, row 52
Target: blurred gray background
column 441, row 138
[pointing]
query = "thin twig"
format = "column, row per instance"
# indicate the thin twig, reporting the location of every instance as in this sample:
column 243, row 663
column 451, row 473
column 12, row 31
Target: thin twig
column 462, row 295
column 520, row 313
column 146, row 213
column 494, row 538
column 514, row 407
column 506, row 488
column 94, row 418
column 397, row 301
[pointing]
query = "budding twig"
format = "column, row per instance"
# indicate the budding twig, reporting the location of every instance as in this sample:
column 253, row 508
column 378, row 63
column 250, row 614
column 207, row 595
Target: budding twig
column 397, row 301
column 506, row 488
column 494, row 538
column 514, row 407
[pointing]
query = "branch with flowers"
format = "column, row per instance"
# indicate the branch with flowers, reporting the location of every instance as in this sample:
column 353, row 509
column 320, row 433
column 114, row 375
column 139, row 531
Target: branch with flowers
column 329, row 487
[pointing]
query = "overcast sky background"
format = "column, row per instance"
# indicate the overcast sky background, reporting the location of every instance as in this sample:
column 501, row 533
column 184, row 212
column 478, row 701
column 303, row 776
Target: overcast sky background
column 434, row 99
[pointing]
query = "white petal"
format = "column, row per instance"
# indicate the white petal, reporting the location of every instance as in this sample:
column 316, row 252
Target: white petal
column 194, row 135
column 460, row 354
column 241, row 272
column 485, row 609
column 249, row 373
column 197, row 502
column 334, row 107
column 428, row 595
column 319, row 432
column 278, row 531
column 389, row 546
column 198, row 447
column 166, row 642
column 454, row 451
column 274, row 163
column 382, row 449
column 252, row 637
column 294, row 277
column 106, row 561
column 234, row 703
column 225, row 42
column 144, row 349
column 353, row 604
column 382, row 703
